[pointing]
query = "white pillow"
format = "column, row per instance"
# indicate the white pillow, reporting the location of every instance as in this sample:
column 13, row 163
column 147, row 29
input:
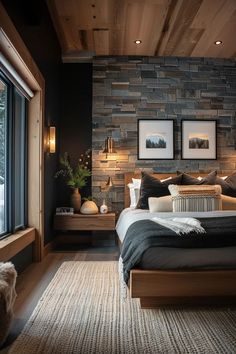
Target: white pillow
column 134, row 195
column 160, row 204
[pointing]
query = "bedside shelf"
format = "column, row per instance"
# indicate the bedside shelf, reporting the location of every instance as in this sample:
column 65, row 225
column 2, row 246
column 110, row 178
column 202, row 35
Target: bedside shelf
column 94, row 222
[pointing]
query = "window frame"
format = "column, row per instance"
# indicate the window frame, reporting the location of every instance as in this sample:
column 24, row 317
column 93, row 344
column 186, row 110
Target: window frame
column 10, row 172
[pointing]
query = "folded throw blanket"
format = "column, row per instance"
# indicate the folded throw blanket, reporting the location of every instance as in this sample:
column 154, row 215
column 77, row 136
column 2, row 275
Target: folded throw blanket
column 181, row 225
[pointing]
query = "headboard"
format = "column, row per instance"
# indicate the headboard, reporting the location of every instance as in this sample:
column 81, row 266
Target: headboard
column 130, row 175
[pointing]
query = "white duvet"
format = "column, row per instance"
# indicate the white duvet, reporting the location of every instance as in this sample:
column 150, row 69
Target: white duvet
column 128, row 216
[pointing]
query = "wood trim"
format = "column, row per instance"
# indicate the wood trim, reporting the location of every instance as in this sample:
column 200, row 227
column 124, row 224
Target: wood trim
column 18, row 55
column 13, row 244
column 155, row 302
column 36, row 171
column 182, row 283
column 48, row 248
column 85, row 222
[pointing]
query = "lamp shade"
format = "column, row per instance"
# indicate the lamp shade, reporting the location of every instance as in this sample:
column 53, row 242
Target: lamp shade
column 109, row 182
column 109, row 146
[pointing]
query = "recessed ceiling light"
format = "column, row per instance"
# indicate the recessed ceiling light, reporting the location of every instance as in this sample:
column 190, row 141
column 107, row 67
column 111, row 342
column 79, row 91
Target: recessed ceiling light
column 138, row 41
column 218, row 42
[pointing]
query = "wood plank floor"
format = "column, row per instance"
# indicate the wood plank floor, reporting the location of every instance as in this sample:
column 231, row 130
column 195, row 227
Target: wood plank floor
column 33, row 281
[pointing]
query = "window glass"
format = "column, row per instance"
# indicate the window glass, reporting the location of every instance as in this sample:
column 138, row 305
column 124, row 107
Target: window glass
column 3, row 144
column 13, row 158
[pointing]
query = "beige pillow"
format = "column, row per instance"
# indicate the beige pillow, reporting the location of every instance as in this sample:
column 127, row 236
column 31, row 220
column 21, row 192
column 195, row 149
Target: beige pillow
column 228, row 203
column 160, row 204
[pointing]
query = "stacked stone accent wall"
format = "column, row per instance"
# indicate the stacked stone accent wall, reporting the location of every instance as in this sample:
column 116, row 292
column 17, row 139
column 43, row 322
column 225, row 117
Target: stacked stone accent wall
column 126, row 89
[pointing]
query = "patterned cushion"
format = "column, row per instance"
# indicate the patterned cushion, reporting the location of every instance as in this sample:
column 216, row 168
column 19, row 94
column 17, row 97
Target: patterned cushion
column 196, row 198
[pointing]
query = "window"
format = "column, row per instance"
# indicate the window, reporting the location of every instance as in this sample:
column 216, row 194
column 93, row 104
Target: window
column 13, row 158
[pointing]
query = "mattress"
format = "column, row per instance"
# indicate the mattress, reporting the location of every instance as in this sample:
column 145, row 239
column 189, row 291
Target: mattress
column 179, row 258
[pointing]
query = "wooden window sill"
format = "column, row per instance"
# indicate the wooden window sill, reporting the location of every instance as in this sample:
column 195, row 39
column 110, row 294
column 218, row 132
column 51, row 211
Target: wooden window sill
column 15, row 243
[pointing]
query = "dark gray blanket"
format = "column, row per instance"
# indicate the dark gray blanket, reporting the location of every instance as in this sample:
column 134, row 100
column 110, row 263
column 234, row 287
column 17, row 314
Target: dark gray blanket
column 144, row 234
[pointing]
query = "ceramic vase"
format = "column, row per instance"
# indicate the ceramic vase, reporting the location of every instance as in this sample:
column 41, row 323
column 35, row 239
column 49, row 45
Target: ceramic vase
column 76, row 200
column 104, row 208
column 89, row 207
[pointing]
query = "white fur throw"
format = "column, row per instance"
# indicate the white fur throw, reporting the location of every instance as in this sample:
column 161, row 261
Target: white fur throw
column 7, row 297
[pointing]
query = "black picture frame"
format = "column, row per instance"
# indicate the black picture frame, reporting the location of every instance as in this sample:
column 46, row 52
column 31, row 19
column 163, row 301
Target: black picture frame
column 155, row 139
column 199, row 139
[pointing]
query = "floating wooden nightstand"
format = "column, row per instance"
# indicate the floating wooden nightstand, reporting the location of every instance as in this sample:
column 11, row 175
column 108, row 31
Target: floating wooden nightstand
column 78, row 222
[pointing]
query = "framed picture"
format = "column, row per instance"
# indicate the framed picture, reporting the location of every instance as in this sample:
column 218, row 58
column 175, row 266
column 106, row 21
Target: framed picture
column 155, row 139
column 199, row 139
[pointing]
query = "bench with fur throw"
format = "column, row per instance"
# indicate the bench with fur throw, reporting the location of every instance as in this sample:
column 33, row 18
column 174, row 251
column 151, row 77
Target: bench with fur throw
column 7, row 297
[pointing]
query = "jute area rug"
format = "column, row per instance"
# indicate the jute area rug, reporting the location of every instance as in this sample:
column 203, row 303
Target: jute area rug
column 81, row 311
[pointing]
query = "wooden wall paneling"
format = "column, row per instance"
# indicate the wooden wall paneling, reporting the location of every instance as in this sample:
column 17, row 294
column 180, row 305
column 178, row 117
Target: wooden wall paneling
column 71, row 33
column 214, row 27
column 101, row 41
column 166, row 27
column 118, row 33
column 206, row 13
column 170, row 20
column 185, row 17
column 62, row 37
column 132, row 20
column 151, row 27
column 83, row 12
column 226, row 50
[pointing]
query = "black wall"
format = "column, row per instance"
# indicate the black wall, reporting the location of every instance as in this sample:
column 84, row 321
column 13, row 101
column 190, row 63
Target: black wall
column 76, row 119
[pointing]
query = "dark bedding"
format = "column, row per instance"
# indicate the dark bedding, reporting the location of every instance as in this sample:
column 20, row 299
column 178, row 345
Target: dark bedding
column 146, row 234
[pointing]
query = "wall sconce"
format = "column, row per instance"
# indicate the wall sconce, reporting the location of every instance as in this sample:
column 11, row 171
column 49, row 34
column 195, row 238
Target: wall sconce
column 109, row 146
column 108, row 185
column 52, row 140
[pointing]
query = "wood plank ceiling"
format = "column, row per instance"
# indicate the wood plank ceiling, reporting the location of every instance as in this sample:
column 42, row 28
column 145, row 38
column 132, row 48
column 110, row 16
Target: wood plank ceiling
column 165, row 27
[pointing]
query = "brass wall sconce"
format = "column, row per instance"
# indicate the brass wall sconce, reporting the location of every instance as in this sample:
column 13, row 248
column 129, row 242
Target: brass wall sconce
column 109, row 146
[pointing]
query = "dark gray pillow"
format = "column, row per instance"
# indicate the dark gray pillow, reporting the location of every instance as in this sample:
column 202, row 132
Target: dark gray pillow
column 153, row 187
column 228, row 185
column 188, row 179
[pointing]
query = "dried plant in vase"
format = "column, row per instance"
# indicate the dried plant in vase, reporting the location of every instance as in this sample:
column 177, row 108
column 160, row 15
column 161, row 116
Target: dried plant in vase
column 76, row 176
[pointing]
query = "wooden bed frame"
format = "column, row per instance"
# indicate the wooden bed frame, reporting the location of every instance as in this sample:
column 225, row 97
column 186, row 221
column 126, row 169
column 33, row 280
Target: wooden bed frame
column 157, row 288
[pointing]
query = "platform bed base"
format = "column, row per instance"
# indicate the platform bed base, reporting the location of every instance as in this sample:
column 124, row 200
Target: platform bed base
column 157, row 288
